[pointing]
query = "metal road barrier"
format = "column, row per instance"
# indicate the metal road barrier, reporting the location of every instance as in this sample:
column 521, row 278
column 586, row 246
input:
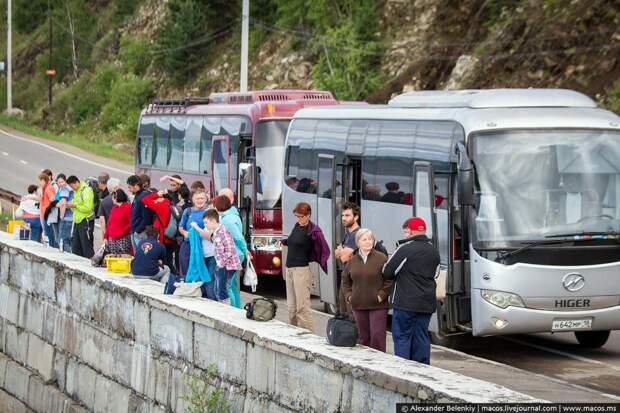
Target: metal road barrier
column 9, row 196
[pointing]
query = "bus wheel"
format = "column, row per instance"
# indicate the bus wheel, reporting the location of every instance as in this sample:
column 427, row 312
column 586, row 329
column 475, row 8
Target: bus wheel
column 592, row 339
column 455, row 341
column 330, row 308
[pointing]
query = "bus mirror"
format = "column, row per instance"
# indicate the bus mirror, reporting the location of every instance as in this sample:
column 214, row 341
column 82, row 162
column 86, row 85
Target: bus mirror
column 245, row 173
column 465, row 177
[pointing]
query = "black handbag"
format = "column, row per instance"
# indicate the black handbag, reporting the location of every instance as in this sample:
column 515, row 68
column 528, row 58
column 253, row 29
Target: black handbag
column 341, row 331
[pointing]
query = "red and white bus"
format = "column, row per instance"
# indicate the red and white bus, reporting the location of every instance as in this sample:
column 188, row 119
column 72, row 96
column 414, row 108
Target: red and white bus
column 233, row 140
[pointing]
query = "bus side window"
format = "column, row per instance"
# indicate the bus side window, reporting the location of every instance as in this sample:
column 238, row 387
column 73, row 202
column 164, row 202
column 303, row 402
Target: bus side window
column 145, row 141
column 191, row 145
column 177, row 134
column 162, row 134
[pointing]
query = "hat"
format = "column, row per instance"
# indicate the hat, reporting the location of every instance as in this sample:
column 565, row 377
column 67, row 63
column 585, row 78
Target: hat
column 416, row 224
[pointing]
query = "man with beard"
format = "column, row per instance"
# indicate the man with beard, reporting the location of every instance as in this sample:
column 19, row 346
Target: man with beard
column 344, row 251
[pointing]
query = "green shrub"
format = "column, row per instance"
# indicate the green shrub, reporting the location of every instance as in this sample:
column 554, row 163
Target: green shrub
column 127, row 97
column 613, row 98
column 201, row 398
column 134, row 54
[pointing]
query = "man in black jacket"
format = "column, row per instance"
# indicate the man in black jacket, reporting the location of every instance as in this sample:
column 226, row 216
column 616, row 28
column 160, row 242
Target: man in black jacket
column 141, row 216
column 413, row 267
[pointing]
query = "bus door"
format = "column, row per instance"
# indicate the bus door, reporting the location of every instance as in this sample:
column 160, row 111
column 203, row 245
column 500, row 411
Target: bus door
column 353, row 179
column 327, row 218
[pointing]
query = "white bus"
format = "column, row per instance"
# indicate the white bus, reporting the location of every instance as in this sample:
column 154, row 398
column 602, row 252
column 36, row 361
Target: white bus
column 520, row 189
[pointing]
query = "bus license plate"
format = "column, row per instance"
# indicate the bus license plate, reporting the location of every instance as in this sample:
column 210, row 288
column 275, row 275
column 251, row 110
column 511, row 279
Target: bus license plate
column 584, row 324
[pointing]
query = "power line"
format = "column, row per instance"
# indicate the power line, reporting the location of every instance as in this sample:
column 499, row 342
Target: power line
column 205, row 39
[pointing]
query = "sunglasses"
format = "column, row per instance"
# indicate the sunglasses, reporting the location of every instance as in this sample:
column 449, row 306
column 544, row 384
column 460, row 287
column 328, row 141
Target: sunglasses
column 299, row 216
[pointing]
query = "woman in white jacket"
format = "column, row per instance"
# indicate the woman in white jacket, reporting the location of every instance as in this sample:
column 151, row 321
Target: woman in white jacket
column 28, row 211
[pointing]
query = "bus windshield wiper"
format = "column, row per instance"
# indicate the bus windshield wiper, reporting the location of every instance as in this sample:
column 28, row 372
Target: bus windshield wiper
column 580, row 236
column 531, row 245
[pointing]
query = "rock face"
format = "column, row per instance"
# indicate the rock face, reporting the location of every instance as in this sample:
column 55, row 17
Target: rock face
column 75, row 338
column 462, row 72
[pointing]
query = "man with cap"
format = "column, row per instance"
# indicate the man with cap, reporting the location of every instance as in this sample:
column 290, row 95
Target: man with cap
column 413, row 267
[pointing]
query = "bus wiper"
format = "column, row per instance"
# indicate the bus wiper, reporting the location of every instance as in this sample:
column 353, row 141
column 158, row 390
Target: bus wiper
column 529, row 245
column 581, row 236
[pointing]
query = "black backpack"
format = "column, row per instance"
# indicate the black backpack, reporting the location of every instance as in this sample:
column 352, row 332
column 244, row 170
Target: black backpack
column 341, row 331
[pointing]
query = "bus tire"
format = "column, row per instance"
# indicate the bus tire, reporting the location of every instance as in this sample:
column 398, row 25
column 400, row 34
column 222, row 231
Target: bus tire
column 454, row 341
column 592, row 339
column 330, row 308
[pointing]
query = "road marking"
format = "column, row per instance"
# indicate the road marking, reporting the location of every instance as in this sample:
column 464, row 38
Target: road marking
column 24, row 162
column 562, row 353
column 100, row 165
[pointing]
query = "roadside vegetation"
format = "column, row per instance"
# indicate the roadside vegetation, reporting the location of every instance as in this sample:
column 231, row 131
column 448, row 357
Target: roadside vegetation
column 111, row 57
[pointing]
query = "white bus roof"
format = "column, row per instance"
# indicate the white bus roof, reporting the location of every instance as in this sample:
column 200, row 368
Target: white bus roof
column 479, row 119
column 493, row 98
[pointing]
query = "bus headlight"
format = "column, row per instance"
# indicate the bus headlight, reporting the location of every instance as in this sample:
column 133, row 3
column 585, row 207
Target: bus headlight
column 502, row 299
column 266, row 243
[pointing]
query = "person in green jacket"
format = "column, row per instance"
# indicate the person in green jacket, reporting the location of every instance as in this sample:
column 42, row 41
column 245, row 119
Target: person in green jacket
column 82, row 207
column 229, row 217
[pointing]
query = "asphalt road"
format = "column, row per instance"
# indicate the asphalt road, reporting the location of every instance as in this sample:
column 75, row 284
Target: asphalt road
column 23, row 157
column 544, row 365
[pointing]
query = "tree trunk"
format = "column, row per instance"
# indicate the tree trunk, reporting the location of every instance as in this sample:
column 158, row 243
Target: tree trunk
column 73, row 49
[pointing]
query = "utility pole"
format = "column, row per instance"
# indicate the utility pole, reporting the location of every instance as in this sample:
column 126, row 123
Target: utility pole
column 49, row 62
column 9, row 65
column 245, row 29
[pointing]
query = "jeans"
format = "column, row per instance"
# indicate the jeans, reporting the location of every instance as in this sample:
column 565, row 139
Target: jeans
column 49, row 231
column 163, row 274
column 64, row 234
column 410, row 335
column 209, row 288
column 35, row 228
column 184, row 250
column 223, row 281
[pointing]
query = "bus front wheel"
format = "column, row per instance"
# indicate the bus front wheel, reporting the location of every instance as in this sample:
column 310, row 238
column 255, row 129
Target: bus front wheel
column 453, row 341
column 592, row 339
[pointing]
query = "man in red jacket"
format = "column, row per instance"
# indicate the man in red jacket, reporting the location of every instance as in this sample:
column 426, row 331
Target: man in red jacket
column 160, row 204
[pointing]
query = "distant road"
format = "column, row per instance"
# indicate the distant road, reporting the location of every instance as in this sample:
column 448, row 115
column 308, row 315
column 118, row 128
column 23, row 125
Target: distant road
column 22, row 157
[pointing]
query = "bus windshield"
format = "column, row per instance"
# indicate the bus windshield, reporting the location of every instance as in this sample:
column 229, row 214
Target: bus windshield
column 536, row 184
column 270, row 162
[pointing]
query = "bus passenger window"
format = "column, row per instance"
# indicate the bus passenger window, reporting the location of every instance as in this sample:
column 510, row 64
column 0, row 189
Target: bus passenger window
column 301, row 171
column 177, row 133
column 145, row 140
column 220, row 164
column 387, row 180
column 191, row 147
column 161, row 142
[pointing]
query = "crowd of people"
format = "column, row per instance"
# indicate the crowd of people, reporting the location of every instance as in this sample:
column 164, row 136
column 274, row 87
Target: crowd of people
column 180, row 234
column 177, row 234
column 370, row 282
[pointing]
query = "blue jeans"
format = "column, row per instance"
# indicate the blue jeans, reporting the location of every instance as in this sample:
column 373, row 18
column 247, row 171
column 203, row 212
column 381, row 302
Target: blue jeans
column 209, row 288
column 49, row 231
column 35, row 228
column 410, row 335
column 64, row 234
column 223, row 281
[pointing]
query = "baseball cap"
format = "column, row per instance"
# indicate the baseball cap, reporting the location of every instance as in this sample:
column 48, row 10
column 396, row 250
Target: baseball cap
column 416, row 224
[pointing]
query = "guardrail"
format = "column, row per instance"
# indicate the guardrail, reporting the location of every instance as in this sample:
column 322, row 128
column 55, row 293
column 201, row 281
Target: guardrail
column 9, row 196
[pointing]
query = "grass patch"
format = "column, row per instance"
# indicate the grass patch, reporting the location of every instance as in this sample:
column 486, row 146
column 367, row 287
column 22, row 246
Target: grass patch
column 99, row 148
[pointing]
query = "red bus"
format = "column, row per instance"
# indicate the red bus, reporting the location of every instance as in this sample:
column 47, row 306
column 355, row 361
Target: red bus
column 233, row 140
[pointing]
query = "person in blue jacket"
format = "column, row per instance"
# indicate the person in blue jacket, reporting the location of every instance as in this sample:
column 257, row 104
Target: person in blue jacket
column 141, row 216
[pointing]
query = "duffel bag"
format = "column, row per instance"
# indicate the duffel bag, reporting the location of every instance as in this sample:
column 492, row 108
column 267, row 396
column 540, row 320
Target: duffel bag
column 341, row 331
column 261, row 309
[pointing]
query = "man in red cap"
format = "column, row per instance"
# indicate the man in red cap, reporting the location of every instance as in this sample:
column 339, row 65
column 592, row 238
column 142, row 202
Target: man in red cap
column 413, row 267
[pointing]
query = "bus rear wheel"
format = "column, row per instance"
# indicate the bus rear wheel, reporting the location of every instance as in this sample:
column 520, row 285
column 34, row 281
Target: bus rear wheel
column 592, row 339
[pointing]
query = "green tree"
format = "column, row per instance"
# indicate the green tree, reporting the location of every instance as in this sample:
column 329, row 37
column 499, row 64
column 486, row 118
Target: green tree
column 29, row 14
column 183, row 41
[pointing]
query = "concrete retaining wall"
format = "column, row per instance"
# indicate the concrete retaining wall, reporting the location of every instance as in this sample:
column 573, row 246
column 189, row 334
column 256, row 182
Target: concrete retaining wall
column 73, row 337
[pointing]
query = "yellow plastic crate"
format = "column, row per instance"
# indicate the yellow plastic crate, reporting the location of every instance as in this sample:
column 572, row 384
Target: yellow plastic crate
column 12, row 224
column 118, row 264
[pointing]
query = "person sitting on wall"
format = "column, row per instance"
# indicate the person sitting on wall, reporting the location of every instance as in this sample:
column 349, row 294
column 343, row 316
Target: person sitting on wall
column 149, row 257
